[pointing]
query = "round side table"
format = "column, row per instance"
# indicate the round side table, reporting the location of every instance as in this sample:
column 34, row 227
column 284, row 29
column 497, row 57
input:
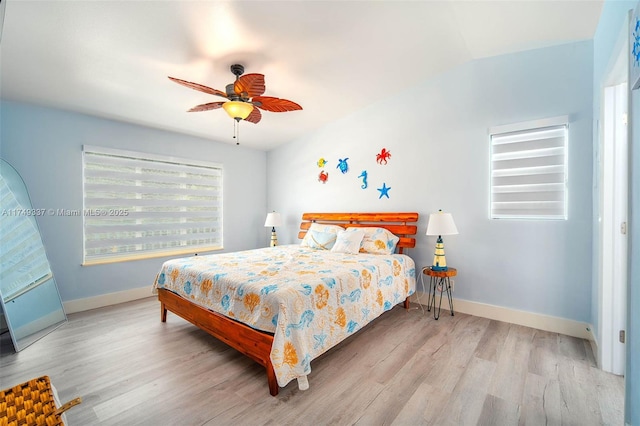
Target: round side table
column 443, row 280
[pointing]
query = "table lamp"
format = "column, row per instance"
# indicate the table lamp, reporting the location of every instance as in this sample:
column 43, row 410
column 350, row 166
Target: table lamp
column 440, row 224
column 273, row 219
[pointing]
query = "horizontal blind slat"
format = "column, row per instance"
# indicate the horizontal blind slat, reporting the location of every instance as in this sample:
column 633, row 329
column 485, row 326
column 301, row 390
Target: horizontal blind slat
column 543, row 187
column 529, row 135
column 522, row 171
column 167, row 205
column 98, row 258
column 158, row 217
column 109, row 162
column 95, row 188
column 115, row 227
column 523, row 205
column 165, row 241
column 147, row 179
column 529, row 153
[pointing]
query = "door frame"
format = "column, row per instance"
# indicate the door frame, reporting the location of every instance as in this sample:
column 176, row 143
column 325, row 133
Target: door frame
column 613, row 191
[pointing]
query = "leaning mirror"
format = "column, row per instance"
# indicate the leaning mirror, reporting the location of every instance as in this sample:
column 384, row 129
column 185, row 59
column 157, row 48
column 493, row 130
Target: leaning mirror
column 29, row 297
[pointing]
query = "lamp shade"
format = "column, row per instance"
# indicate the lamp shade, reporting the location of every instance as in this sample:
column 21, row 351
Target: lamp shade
column 273, row 219
column 441, row 224
column 238, row 109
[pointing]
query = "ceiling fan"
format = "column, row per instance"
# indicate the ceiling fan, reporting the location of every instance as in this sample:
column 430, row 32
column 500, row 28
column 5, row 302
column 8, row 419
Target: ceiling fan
column 243, row 95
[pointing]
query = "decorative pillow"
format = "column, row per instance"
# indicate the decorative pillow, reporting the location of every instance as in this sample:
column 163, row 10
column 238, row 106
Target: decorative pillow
column 348, row 241
column 321, row 240
column 378, row 241
column 319, row 227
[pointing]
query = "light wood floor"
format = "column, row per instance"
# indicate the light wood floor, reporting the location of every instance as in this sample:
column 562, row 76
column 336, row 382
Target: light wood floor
column 403, row 369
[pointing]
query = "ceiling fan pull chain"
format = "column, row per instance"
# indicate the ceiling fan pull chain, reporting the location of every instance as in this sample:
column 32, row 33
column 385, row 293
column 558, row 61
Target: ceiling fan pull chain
column 236, row 131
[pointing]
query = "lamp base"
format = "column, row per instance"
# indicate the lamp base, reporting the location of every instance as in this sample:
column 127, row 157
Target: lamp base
column 274, row 238
column 439, row 260
column 439, row 268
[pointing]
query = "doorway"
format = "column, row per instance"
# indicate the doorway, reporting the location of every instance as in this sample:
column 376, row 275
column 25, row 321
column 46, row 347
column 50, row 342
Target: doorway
column 613, row 213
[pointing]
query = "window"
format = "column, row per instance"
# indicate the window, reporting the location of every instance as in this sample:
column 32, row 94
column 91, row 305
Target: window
column 141, row 205
column 529, row 170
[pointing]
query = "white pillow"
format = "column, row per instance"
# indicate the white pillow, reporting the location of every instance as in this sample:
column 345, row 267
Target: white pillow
column 378, row 241
column 348, row 241
column 321, row 240
column 307, row 241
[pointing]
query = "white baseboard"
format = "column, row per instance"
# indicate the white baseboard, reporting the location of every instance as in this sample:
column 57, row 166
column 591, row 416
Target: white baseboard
column 514, row 316
column 498, row 313
column 80, row 305
column 594, row 347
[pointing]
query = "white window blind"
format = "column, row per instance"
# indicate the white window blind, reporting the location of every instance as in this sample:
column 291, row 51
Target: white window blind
column 142, row 205
column 528, row 172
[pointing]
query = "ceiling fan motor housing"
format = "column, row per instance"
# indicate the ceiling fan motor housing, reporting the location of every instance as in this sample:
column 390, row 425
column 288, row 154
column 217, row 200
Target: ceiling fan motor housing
column 231, row 93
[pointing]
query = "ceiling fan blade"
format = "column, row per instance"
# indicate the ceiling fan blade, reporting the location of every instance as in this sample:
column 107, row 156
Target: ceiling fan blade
column 199, row 87
column 206, row 107
column 251, row 84
column 255, row 116
column 272, row 104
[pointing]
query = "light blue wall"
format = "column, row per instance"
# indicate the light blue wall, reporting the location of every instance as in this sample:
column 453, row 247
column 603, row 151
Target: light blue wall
column 437, row 135
column 609, row 27
column 45, row 146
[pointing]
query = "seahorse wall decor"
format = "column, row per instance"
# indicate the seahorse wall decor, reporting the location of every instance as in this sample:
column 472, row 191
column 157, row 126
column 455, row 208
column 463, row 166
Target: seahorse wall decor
column 363, row 175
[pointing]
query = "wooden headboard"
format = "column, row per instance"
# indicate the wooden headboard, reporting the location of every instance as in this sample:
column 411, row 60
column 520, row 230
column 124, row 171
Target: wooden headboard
column 401, row 224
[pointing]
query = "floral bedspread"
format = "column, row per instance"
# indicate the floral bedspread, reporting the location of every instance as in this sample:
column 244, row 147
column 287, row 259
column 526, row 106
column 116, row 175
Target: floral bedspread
column 310, row 299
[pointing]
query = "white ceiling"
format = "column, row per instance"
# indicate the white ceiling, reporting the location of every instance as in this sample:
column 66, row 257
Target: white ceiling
column 112, row 58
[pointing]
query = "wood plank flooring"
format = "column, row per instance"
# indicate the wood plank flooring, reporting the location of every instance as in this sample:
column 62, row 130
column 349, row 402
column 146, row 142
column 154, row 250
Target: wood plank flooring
column 403, row 369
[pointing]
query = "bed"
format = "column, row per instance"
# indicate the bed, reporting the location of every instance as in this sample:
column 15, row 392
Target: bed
column 284, row 306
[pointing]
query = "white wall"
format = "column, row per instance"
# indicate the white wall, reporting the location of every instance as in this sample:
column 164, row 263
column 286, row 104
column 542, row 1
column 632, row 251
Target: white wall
column 437, row 135
column 45, row 146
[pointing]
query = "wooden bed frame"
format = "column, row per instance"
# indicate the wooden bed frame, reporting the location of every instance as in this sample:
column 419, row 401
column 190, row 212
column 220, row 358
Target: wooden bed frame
column 257, row 344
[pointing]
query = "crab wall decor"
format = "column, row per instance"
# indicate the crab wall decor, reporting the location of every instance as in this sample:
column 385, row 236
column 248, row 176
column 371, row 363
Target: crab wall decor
column 383, row 156
column 323, row 177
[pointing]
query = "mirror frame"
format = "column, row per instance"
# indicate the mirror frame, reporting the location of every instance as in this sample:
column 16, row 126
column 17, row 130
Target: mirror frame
column 17, row 309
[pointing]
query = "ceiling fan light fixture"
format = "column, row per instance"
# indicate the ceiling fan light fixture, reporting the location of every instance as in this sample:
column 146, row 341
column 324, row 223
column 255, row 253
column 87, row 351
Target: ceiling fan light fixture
column 238, row 109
